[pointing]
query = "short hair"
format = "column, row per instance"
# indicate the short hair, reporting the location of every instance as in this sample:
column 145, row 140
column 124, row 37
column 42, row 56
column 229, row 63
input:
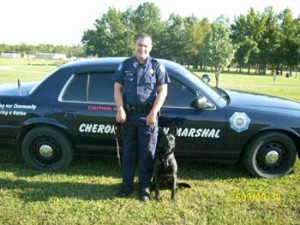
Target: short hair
column 143, row 35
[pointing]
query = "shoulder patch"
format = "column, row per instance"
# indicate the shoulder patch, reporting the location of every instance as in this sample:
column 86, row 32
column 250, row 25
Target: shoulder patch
column 162, row 68
column 120, row 67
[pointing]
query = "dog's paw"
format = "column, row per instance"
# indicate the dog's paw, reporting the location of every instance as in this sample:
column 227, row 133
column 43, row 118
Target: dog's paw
column 173, row 196
column 158, row 198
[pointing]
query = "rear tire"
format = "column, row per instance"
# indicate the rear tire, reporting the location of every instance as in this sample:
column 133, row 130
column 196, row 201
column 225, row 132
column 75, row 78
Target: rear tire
column 270, row 155
column 47, row 149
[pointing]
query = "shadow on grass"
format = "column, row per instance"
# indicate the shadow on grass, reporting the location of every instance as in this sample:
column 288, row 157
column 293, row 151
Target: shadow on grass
column 31, row 191
column 92, row 178
column 11, row 161
column 46, row 185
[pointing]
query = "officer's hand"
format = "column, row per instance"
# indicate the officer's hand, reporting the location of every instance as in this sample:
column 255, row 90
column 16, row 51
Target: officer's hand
column 151, row 118
column 121, row 115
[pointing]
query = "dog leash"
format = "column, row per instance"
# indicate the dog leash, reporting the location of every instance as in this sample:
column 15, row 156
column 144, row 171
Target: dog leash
column 118, row 131
column 151, row 134
column 151, row 137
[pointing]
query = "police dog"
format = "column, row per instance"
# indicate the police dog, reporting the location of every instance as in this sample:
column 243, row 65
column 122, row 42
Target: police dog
column 165, row 165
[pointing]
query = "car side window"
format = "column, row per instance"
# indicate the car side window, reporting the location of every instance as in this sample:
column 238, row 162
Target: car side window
column 101, row 88
column 179, row 95
column 90, row 87
column 76, row 89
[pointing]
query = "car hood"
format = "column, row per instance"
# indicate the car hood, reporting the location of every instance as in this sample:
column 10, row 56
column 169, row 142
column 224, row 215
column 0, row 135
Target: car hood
column 261, row 102
column 12, row 89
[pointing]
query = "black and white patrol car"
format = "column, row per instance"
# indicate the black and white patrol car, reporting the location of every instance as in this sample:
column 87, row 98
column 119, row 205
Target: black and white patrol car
column 72, row 111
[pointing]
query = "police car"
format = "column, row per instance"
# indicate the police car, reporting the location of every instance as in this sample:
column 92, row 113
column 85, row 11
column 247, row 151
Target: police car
column 72, row 111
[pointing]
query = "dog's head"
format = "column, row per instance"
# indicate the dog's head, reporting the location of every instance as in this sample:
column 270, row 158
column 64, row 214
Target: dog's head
column 166, row 141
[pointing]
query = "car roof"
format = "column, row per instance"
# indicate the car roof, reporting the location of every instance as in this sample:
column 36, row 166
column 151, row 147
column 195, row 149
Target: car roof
column 111, row 63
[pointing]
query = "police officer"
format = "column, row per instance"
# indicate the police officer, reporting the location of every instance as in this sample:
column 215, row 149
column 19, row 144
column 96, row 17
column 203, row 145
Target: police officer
column 140, row 90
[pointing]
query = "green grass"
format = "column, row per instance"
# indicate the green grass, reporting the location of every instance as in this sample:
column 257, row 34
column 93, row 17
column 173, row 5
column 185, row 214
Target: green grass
column 86, row 192
column 25, row 70
column 288, row 88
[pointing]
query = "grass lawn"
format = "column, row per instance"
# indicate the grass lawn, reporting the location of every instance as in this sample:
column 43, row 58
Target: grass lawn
column 288, row 88
column 86, row 192
column 25, row 70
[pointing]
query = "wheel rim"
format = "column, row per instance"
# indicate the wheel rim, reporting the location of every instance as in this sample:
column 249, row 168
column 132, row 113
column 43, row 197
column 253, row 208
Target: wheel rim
column 45, row 150
column 272, row 157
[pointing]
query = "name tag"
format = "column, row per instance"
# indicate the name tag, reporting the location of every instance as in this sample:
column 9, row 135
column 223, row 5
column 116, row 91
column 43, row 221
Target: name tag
column 128, row 73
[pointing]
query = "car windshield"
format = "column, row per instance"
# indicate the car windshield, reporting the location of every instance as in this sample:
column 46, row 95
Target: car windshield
column 205, row 89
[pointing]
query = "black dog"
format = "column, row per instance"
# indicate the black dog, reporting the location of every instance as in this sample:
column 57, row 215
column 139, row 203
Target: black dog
column 165, row 164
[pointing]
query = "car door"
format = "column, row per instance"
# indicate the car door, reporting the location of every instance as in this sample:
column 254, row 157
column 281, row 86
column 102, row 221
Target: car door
column 201, row 133
column 87, row 109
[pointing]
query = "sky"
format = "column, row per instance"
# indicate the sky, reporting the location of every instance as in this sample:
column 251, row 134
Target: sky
column 62, row 22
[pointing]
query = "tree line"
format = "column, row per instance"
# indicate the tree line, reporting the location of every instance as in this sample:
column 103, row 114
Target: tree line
column 25, row 49
column 257, row 40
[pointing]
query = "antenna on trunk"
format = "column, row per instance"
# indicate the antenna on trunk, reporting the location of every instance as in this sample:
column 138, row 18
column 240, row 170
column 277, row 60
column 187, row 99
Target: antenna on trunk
column 19, row 85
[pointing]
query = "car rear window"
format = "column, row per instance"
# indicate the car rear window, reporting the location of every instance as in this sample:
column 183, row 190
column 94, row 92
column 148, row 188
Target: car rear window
column 89, row 87
column 76, row 89
column 100, row 88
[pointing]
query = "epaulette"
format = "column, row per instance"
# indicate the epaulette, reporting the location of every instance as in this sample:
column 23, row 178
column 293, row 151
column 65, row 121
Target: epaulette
column 155, row 63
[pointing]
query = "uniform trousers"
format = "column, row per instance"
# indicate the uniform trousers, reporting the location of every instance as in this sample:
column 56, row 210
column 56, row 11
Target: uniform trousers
column 139, row 145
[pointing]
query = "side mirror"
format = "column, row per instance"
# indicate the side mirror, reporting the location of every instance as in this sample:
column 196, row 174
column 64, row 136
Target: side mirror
column 201, row 103
column 205, row 78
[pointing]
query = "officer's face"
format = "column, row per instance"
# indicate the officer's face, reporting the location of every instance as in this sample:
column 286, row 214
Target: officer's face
column 143, row 47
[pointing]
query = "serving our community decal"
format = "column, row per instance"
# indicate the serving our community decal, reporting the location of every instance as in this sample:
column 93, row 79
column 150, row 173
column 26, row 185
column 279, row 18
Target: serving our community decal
column 16, row 109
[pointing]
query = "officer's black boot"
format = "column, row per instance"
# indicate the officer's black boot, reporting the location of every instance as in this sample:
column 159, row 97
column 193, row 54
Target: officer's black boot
column 126, row 191
column 145, row 195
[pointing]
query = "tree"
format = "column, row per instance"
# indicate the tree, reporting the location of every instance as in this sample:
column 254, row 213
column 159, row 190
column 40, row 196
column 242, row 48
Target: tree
column 110, row 38
column 172, row 44
column 147, row 19
column 203, row 51
column 115, row 32
column 269, row 43
column 260, row 39
column 220, row 48
column 194, row 39
column 246, row 31
column 290, row 39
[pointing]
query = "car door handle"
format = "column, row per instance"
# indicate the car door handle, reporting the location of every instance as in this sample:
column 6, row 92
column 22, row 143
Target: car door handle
column 70, row 114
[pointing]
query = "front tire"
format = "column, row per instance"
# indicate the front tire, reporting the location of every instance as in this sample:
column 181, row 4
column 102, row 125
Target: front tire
column 47, row 149
column 270, row 155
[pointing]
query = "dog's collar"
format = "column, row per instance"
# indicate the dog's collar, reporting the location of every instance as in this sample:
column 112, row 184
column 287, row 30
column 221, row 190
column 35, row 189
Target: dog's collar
column 165, row 154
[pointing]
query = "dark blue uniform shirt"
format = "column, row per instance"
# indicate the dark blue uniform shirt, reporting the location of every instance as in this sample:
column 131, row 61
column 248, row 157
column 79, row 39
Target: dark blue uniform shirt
column 140, row 81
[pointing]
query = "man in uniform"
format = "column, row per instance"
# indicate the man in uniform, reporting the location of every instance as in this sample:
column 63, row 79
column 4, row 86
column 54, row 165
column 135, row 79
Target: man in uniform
column 140, row 90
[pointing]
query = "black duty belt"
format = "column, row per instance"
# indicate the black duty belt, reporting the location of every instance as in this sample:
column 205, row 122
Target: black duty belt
column 136, row 109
